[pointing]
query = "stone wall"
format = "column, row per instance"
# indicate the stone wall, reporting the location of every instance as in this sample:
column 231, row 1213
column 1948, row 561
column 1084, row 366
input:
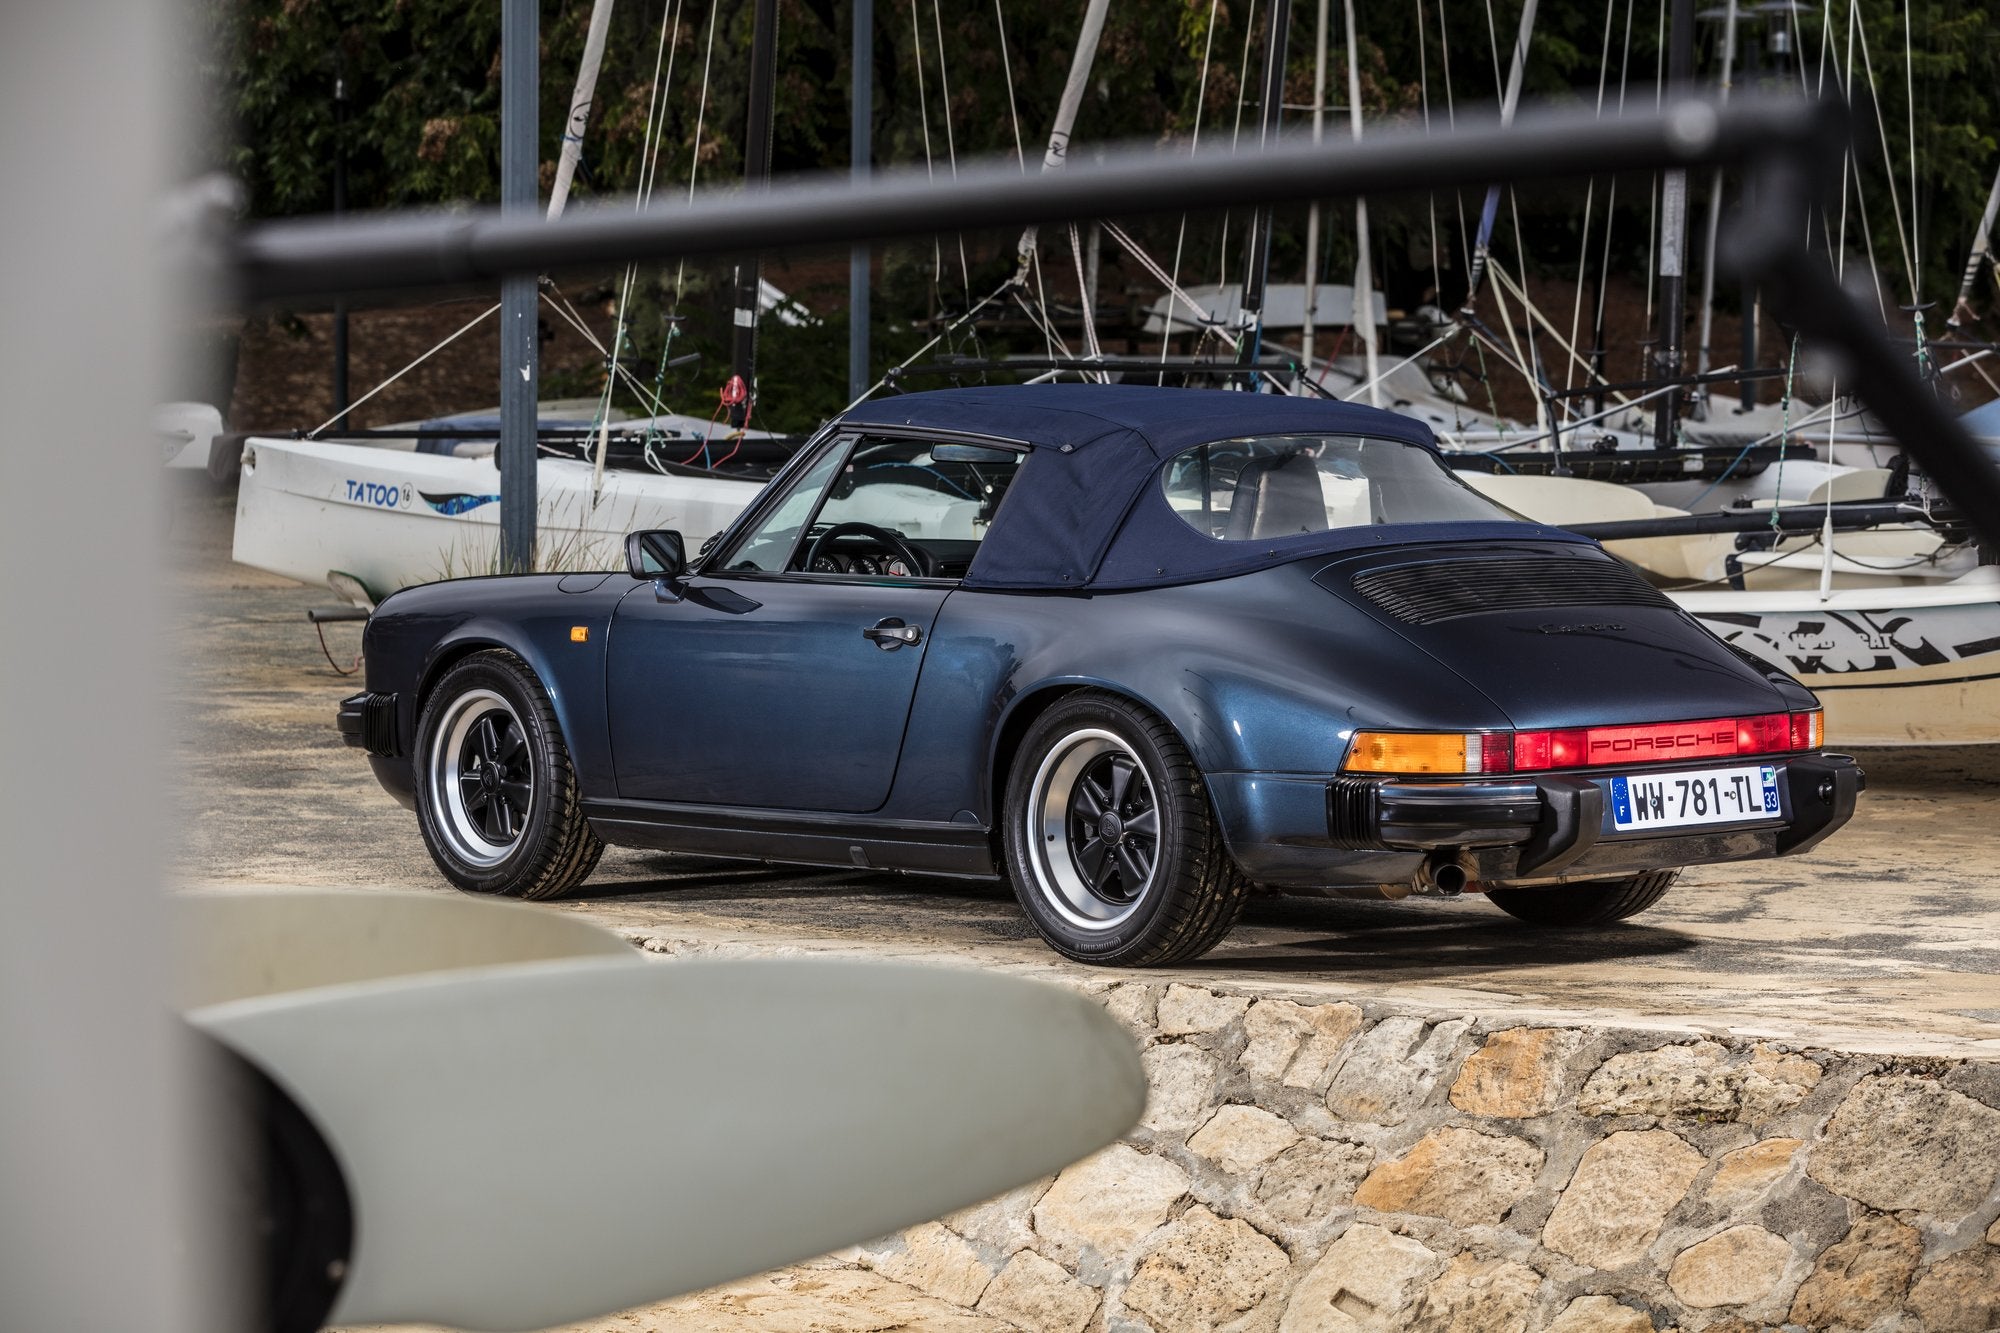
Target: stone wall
column 1332, row 1167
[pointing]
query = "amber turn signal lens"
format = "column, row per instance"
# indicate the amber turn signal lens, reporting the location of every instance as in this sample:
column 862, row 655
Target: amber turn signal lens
column 1406, row 752
column 1808, row 730
column 579, row 634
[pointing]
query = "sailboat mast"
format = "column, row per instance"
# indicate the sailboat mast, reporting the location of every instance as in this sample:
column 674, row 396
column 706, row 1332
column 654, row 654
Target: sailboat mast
column 1256, row 269
column 1087, row 39
column 579, row 106
column 1673, row 240
column 1364, row 271
column 1482, row 246
column 756, row 175
column 1701, row 362
column 1312, row 213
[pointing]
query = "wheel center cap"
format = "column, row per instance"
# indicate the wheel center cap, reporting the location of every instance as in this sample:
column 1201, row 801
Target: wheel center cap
column 1111, row 828
column 489, row 777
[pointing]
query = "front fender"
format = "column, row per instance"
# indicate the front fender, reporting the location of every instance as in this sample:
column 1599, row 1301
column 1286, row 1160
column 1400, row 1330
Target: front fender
column 558, row 626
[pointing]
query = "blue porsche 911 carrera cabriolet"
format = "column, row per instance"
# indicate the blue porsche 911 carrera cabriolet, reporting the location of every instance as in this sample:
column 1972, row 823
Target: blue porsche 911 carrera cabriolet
column 1140, row 651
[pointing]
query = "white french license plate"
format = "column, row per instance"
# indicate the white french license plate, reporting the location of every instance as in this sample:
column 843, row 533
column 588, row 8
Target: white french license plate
column 1704, row 796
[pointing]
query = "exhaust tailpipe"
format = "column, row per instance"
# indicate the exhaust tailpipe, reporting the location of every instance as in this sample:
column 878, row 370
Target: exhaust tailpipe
column 1441, row 877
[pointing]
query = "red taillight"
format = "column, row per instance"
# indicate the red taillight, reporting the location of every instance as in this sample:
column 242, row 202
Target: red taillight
column 1585, row 747
column 1652, row 743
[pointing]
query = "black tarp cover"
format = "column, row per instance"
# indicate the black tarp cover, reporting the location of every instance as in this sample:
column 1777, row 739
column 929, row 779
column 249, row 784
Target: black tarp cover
column 1087, row 511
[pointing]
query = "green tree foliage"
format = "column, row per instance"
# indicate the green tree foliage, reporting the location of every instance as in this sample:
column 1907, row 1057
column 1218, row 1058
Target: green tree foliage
column 423, row 117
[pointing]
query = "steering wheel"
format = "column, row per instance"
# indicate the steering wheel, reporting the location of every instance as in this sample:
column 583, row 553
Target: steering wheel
column 915, row 558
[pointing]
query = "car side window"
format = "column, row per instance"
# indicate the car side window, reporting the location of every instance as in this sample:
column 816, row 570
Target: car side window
column 888, row 506
column 768, row 547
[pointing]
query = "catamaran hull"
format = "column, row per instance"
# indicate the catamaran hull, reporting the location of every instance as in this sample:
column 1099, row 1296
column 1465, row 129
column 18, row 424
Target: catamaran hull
column 391, row 518
column 1893, row 666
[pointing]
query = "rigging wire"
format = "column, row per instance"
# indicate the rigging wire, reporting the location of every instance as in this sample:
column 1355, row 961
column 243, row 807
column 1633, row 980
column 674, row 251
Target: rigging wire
column 1910, row 100
column 1007, row 69
column 1180, row 238
column 1175, row 291
column 1653, row 200
column 1002, row 290
column 1888, row 163
column 468, row 327
column 1611, row 194
column 654, row 130
column 1090, row 345
column 950, row 144
column 1589, row 202
column 1235, row 136
column 924, row 119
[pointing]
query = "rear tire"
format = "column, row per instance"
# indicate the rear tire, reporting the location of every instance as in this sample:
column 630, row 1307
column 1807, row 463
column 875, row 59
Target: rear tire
column 1111, row 843
column 497, row 798
column 1595, row 902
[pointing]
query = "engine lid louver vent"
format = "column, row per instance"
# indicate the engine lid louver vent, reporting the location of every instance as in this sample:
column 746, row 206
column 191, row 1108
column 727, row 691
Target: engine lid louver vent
column 1426, row 592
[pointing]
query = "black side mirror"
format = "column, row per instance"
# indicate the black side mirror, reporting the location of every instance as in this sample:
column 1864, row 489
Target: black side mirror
column 657, row 554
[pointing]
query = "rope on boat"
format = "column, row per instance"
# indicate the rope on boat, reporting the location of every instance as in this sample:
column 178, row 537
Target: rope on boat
column 469, row 326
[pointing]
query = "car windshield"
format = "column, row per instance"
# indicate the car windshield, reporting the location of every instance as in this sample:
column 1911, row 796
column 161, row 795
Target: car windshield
column 1259, row 487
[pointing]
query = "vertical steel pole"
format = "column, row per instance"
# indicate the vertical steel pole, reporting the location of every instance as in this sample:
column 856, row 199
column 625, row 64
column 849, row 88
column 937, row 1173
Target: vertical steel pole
column 756, row 175
column 862, row 151
column 1673, row 239
column 520, row 353
column 340, row 397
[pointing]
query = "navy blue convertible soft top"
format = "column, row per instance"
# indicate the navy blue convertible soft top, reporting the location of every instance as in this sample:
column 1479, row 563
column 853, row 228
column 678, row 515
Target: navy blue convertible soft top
column 1086, row 509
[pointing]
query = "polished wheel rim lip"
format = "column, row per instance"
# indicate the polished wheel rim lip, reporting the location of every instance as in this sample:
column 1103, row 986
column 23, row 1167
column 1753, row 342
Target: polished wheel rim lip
column 482, row 778
column 1091, row 825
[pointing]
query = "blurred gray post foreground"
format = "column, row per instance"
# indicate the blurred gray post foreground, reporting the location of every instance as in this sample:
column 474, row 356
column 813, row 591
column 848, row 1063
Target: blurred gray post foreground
column 520, row 352
column 97, row 1228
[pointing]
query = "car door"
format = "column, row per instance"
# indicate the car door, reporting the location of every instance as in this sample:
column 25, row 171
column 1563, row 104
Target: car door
column 763, row 683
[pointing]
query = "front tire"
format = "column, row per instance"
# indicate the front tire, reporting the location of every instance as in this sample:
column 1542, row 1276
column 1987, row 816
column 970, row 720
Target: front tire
column 497, row 798
column 1595, row 902
column 1111, row 843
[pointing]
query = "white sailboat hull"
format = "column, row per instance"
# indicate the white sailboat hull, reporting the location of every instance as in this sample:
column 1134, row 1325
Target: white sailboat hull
column 392, row 518
column 1894, row 666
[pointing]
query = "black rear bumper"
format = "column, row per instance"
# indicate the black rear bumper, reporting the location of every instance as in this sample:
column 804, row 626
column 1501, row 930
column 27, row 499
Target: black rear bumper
column 1547, row 827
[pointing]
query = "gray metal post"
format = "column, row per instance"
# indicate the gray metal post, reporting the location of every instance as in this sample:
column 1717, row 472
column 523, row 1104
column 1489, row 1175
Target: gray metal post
column 520, row 354
column 863, row 123
column 340, row 394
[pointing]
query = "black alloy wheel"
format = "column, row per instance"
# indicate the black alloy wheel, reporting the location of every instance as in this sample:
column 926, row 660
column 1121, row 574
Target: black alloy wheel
column 494, row 780
column 1112, row 822
column 1110, row 841
column 497, row 798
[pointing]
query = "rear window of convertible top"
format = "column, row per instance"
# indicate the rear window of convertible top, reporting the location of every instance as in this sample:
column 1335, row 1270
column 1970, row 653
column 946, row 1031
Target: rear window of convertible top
column 1263, row 486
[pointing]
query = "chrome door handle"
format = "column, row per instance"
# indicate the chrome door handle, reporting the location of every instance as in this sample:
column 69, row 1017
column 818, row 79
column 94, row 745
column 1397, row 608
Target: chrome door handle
column 892, row 634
